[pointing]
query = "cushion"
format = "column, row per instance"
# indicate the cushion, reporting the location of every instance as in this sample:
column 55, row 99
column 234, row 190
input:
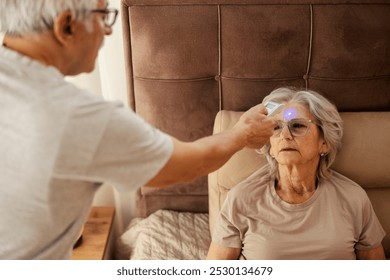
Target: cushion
column 364, row 158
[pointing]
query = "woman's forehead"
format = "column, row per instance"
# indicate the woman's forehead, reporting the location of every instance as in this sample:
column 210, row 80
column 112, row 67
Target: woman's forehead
column 294, row 110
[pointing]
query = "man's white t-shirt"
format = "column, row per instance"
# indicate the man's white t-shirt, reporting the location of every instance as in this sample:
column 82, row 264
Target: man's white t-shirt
column 58, row 143
column 331, row 224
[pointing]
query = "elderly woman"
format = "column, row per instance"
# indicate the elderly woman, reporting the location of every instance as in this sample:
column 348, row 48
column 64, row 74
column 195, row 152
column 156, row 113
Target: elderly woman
column 296, row 207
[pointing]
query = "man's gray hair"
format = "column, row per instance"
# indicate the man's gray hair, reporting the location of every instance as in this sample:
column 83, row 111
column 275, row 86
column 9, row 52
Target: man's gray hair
column 19, row 17
column 327, row 118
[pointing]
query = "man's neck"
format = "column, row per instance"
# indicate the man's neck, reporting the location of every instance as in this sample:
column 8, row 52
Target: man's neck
column 39, row 47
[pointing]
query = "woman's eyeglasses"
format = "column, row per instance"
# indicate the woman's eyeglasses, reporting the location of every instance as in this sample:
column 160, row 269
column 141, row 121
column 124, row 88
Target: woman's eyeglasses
column 110, row 16
column 296, row 127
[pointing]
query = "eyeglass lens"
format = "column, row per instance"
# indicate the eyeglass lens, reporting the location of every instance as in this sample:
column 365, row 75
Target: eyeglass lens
column 109, row 18
column 297, row 127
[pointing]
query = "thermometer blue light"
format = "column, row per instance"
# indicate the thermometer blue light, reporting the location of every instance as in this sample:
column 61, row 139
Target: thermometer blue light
column 289, row 113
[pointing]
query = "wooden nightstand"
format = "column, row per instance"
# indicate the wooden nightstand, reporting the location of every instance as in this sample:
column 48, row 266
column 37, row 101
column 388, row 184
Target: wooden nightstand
column 96, row 234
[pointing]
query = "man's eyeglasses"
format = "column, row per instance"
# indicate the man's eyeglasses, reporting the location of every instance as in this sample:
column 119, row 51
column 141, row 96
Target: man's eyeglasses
column 110, row 16
column 296, row 127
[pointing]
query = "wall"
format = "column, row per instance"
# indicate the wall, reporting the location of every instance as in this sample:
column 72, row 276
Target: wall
column 108, row 80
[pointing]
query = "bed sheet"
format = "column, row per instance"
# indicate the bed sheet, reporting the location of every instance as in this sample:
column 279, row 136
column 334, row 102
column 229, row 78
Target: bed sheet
column 166, row 235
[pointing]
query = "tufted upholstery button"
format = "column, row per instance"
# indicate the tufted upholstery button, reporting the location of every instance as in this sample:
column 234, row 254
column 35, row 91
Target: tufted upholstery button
column 217, row 78
column 305, row 77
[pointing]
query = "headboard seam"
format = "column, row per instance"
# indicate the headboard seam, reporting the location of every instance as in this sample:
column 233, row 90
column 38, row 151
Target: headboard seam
column 350, row 79
column 174, row 80
column 219, row 58
column 306, row 76
column 259, row 79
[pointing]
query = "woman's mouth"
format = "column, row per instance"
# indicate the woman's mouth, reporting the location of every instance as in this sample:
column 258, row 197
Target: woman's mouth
column 288, row 150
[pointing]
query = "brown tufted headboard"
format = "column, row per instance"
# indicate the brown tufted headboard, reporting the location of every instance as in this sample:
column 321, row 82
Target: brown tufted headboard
column 188, row 59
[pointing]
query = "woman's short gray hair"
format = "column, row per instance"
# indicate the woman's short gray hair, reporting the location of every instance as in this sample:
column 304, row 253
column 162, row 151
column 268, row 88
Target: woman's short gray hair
column 19, row 17
column 327, row 117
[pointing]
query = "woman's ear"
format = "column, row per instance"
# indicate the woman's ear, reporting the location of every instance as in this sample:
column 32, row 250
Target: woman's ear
column 324, row 148
column 271, row 153
column 63, row 27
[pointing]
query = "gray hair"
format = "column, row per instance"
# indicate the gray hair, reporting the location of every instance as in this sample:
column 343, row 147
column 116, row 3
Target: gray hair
column 327, row 117
column 19, row 17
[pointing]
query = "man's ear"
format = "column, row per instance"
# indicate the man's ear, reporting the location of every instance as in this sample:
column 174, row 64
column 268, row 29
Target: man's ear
column 63, row 27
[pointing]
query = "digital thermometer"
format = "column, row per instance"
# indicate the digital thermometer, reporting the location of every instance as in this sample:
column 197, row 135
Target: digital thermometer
column 272, row 107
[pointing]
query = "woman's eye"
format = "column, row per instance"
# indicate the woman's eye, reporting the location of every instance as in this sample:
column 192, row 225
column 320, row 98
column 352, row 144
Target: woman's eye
column 298, row 125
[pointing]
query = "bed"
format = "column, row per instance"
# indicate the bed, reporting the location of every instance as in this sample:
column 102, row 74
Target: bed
column 194, row 65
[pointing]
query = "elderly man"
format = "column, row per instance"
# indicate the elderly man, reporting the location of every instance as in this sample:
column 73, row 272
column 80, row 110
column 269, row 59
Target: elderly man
column 58, row 143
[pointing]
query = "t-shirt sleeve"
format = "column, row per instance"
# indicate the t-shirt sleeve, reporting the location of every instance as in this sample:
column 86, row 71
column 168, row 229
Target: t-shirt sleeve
column 227, row 232
column 106, row 142
column 372, row 232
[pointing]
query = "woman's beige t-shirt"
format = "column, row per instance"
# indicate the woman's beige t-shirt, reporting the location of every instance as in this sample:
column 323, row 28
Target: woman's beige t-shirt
column 335, row 221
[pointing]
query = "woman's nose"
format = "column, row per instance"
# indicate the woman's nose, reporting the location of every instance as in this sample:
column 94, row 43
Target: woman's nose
column 286, row 133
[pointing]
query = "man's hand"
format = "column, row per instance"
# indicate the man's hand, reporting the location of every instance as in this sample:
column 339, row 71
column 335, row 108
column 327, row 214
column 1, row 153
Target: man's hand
column 257, row 127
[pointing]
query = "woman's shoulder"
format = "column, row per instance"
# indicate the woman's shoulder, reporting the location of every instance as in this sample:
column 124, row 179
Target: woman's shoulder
column 252, row 186
column 339, row 178
column 345, row 187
